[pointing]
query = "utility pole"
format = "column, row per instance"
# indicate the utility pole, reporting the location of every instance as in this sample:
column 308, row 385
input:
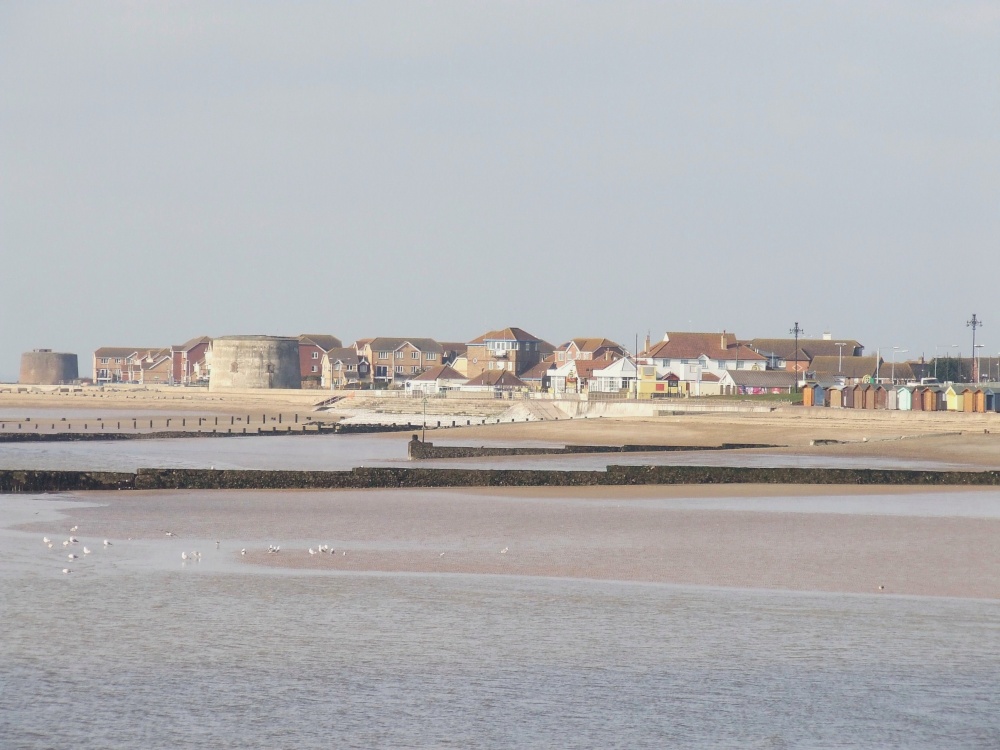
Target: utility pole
column 974, row 324
column 796, row 331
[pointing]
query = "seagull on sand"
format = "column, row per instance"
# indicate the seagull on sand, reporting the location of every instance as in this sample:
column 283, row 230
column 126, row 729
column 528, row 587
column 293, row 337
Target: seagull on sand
column 312, row 551
column 66, row 543
column 45, row 540
column 881, row 587
column 107, row 543
column 50, row 545
column 86, row 550
column 243, row 551
column 71, row 556
column 184, row 555
column 169, row 533
column 67, row 570
column 73, row 540
column 504, row 550
column 75, row 528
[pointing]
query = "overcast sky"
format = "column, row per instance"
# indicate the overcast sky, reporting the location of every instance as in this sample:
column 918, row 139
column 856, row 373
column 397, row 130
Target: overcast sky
column 440, row 169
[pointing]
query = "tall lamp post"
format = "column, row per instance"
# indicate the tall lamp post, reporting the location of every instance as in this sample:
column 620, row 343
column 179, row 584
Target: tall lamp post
column 892, row 371
column 796, row 331
column 974, row 324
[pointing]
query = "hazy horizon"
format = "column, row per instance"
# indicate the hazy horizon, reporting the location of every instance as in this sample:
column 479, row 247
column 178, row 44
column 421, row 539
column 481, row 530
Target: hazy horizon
column 440, row 170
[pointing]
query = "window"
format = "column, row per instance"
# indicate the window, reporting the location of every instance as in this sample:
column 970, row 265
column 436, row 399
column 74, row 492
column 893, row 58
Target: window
column 104, row 360
column 337, row 366
column 118, row 360
column 399, row 369
column 415, row 368
column 491, row 365
column 315, row 369
column 381, row 371
column 383, row 355
column 414, row 355
column 430, row 356
column 398, row 354
column 315, row 355
column 350, row 368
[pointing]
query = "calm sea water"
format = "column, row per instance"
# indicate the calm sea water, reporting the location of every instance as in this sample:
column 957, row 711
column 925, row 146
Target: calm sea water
column 339, row 452
column 136, row 649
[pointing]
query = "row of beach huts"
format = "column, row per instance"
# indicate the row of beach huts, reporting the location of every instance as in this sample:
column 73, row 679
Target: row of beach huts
column 965, row 397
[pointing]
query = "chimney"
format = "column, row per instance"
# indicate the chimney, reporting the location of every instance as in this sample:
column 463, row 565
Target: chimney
column 647, row 342
column 722, row 340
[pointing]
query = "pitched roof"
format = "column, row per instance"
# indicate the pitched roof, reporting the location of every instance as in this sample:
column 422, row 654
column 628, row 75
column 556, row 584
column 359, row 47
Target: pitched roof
column 345, row 354
column 192, row 343
column 505, row 334
column 849, row 367
column 440, row 372
column 592, row 344
column 123, row 351
column 762, row 378
column 498, row 379
column 323, row 341
column 687, row 345
column 810, row 348
column 540, row 370
column 385, row 344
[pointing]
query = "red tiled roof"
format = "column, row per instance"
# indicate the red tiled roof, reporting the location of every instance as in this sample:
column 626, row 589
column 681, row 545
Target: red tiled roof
column 498, row 378
column 686, row 345
column 505, row 334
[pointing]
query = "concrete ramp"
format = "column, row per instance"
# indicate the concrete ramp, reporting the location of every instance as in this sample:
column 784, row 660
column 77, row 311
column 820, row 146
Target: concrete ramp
column 533, row 411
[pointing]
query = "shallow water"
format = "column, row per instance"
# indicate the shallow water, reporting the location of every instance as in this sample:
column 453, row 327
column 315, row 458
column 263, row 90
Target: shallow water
column 137, row 648
column 340, row 452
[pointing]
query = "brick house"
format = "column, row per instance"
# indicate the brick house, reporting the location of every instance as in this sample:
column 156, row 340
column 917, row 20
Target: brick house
column 393, row 361
column 509, row 349
column 188, row 363
column 589, row 349
column 312, row 347
column 343, row 368
column 126, row 364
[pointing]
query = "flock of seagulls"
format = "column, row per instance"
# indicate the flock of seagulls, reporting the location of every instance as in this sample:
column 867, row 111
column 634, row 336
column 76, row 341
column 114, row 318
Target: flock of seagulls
column 195, row 556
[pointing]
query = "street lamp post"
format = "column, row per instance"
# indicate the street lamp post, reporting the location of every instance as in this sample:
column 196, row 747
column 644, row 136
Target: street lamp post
column 892, row 371
column 976, row 359
column 974, row 324
column 840, row 357
column 796, row 331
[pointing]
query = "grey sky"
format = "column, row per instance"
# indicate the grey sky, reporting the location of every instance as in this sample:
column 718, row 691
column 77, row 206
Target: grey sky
column 440, row 169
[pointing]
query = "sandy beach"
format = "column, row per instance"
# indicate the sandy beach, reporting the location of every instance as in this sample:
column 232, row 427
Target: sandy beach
column 676, row 535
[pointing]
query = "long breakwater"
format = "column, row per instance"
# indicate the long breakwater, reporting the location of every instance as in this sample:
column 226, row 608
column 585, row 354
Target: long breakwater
column 19, row 481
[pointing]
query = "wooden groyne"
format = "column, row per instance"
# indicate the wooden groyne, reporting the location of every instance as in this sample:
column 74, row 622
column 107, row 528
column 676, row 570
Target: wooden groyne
column 273, row 431
column 14, row 481
column 421, row 450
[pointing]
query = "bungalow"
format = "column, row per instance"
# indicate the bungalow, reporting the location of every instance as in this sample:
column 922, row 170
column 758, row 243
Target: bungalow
column 652, row 384
column 497, row 381
column 435, row 380
column 538, row 378
column 575, row 375
column 618, row 377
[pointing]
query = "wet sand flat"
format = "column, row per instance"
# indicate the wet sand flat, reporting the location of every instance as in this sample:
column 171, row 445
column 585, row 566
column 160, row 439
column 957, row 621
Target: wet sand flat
column 675, row 535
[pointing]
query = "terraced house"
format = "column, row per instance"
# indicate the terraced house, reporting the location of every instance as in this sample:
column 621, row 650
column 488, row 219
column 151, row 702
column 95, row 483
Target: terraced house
column 125, row 364
column 393, row 361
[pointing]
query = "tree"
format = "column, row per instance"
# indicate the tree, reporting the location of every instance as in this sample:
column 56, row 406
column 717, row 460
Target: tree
column 952, row 369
